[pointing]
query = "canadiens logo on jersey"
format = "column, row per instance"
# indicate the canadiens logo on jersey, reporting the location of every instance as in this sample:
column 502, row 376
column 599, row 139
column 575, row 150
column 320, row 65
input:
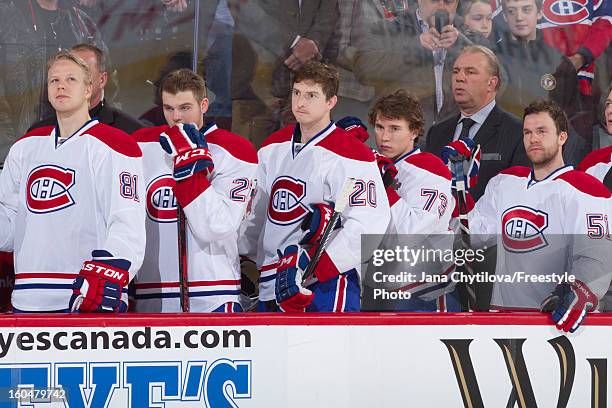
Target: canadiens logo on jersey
column 562, row 12
column 161, row 203
column 286, row 197
column 523, row 229
column 48, row 189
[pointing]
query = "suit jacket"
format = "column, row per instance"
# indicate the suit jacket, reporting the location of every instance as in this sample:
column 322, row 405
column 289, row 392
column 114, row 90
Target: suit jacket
column 501, row 142
column 105, row 114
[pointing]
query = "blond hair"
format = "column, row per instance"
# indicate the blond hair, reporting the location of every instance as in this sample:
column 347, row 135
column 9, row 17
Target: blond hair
column 67, row 56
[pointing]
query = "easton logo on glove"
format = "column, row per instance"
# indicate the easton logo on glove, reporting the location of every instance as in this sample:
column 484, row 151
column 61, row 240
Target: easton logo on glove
column 104, row 270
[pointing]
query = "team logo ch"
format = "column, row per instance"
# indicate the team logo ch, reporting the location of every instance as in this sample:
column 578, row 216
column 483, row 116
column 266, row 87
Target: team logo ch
column 286, row 198
column 523, row 229
column 522, row 393
column 48, row 189
column 161, row 203
column 563, row 12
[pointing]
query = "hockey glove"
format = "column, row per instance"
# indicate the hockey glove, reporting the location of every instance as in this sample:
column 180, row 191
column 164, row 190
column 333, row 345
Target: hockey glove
column 354, row 127
column 315, row 223
column 569, row 303
column 290, row 295
column 460, row 150
column 469, row 205
column 99, row 285
column 188, row 149
column 388, row 172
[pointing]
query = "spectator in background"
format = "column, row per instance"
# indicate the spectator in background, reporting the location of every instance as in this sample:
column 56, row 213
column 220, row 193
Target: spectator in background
column 30, row 32
column 477, row 21
column 98, row 108
column 537, row 71
column 602, row 132
column 475, row 81
column 354, row 98
column 407, row 51
column 285, row 34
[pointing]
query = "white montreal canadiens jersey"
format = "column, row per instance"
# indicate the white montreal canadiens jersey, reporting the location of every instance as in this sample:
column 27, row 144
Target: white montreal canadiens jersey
column 59, row 203
column 422, row 215
column 597, row 163
column 548, row 227
column 213, row 220
column 290, row 179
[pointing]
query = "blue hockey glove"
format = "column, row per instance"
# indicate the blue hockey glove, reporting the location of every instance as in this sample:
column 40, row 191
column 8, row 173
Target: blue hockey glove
column 315, row 223
column 470, row 151
column 355, row 127
column 189, row 150
column 290, row 295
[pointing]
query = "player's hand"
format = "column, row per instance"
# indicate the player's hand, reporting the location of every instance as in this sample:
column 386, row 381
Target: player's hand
column 569, row 303
column 355, row 127
column 315, row 223
column 459, row 151
column 430, row 39
column 99, row 285
column 189, row 150
column 290, row 295
column 448, row 36
column 387, row 168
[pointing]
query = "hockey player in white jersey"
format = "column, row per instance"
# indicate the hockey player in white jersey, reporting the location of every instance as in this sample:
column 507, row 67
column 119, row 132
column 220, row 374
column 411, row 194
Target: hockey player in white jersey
column 548, row 220
column 420, row 198
column 213, row 187
column 302, row 170
column 71, row 205
column 598, row 163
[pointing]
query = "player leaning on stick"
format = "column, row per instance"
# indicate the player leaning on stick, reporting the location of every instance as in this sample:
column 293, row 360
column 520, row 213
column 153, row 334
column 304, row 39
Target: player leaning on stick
column 70, row 201
column 302, row 170
column 209, row 173
column 418, row 186
column 548, row 220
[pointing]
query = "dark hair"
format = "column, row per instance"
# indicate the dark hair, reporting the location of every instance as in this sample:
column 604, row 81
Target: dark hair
column 100, row 57
column 184, row 79
column 553, row 110
column 325, row 75
column 465, row 5
column 400, row 105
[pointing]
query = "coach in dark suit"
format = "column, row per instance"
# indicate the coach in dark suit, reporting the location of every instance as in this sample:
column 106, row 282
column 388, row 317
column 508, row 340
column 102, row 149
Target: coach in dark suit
column 475, row 81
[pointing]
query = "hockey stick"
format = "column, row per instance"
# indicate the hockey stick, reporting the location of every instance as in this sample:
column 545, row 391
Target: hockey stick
column 339, row 206
column 182, row 259
column 466, row 291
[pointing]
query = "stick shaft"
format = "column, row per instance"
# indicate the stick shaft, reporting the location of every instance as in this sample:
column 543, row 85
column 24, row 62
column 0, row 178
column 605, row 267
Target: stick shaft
column 182, row 259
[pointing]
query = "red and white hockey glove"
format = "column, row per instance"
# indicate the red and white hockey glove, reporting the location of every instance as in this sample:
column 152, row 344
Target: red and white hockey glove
column 569, row 303
column 101, row 285
column 461, row 150
column 355, row 127
column 193, row 163
column 388, row 172
column 189, row 150
column 315, row 223
column 290, row 295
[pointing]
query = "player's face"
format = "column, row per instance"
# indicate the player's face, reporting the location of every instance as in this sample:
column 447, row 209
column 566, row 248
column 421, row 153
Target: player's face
column 393, row 137
column 608, row 113
column 428, row 7
column 479, row 19
column 309, row 104
column 98, row 79
column 183, row 107
column 67, row 87
column 522, row 17
column 542, row 142
column 471, row 83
